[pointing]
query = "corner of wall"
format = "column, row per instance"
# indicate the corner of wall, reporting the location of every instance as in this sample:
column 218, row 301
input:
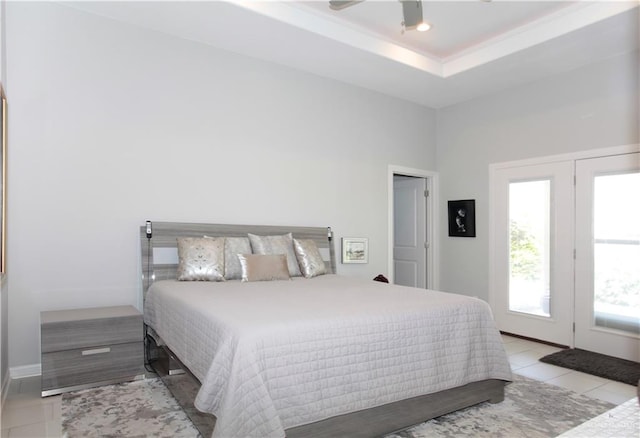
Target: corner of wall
column 4, row 389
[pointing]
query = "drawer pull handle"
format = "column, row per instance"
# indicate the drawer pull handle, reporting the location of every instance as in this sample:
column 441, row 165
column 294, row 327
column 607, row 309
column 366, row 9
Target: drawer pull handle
column 96, row 351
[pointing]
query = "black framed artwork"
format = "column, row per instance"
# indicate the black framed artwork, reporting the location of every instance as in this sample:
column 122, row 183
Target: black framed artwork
column 462, row 218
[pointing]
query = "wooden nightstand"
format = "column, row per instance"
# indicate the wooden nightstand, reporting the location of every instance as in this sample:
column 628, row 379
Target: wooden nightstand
column 82, row 348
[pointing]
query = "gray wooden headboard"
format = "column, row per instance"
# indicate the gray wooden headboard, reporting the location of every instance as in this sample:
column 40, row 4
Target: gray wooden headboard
column 159, row 253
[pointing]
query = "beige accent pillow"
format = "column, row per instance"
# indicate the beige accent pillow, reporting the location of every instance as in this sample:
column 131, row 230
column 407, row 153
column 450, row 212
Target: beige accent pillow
column 257, row 267
column 268, row 245
column 200, row 259
column 309, row 258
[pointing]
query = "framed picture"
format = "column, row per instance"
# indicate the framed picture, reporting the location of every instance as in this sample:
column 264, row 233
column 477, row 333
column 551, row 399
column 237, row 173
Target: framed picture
column 462, row 218
column 355, row 250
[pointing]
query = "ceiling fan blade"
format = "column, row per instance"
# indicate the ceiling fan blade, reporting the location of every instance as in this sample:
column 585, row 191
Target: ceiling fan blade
column 412, row 12
column 337, row 5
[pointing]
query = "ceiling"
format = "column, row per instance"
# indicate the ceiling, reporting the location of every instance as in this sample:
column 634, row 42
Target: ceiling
column 474, row 48
column 456, row 25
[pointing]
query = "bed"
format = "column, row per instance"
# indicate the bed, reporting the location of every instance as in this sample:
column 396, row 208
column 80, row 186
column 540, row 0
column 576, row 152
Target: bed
column 314, row 357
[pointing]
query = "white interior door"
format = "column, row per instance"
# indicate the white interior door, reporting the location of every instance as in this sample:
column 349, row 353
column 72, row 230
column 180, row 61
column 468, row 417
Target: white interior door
column 409, row 231
column 607, row 297
column 532, row 269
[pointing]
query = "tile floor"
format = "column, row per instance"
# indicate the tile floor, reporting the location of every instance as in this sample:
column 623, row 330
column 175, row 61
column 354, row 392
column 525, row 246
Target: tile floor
column 25, row 414
column 523, row 356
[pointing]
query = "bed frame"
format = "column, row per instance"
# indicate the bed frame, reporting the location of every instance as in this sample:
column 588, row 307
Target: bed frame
column 159, row 261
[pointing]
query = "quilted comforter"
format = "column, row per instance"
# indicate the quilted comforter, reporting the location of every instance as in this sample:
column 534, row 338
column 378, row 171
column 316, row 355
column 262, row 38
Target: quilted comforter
column 275, row 355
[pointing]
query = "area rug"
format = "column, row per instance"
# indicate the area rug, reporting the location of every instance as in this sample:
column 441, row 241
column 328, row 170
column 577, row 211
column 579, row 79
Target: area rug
column 596, row 364
column 143, row 408
column 531, row 409
column 146, row 409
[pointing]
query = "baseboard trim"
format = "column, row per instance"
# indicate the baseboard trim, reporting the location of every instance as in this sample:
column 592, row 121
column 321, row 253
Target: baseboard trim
column 540, row 341
column 25, row 371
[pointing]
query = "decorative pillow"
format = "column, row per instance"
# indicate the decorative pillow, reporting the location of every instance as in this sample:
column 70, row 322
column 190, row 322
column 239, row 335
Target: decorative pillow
column 309, row 258
column 268, row 245
column 232, row 247
column 200, row 259
column 257, row 267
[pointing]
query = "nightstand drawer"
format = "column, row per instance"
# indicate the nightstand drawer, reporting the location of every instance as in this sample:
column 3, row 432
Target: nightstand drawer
column 66, row 330
column 92, row 364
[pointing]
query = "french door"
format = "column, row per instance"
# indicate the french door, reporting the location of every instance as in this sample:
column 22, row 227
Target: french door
column 566, row 252
column 533, row 251
column 607, row 293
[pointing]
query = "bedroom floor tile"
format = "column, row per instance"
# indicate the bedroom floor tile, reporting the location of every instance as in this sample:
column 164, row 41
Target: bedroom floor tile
column 525, row 358
column 578, row 382
column 506, row 339
column 522, row 345
column 22, row 415
column 616, row 396
column 542, row 371
column 546, row 349
column 26, row 414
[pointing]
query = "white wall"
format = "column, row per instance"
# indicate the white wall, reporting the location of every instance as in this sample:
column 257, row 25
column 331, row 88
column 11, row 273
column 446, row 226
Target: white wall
column 4, row 291
column 589, row 108
column 112, row 125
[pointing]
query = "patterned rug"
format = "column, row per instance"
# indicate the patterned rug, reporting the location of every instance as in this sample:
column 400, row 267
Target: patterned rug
column 531, row 409
column 146, row 409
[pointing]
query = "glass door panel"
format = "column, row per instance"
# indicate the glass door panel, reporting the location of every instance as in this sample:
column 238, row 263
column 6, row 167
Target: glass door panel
column 616, row 301
column 529, row 247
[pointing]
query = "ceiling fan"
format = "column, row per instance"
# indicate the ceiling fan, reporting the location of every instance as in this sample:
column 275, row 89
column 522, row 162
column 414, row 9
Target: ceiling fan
column 411, row 12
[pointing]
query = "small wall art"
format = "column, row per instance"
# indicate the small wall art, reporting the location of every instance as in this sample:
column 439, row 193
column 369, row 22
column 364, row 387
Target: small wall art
column 355, row 250
column 462, row 218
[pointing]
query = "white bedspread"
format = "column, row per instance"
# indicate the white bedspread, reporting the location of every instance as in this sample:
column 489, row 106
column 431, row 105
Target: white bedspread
column 274, row 355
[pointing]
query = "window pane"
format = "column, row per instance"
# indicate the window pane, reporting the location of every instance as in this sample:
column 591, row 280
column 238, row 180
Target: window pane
column 617, row 251
column 529, row 249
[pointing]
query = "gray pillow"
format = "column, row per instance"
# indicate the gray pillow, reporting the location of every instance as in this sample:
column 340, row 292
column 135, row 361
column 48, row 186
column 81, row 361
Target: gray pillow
column 269, row 245
column 200, row 259
column 232, row 247
column 309, row 258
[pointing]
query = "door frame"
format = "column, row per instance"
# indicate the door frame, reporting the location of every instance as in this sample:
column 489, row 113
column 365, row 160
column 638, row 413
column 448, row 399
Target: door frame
column 431, row 179
column 572, row 156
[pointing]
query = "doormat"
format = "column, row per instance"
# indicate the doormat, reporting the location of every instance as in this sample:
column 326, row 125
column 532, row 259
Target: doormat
column 596, row 364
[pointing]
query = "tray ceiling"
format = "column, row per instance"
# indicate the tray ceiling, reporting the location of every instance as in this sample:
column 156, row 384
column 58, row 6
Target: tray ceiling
column 474, row 47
